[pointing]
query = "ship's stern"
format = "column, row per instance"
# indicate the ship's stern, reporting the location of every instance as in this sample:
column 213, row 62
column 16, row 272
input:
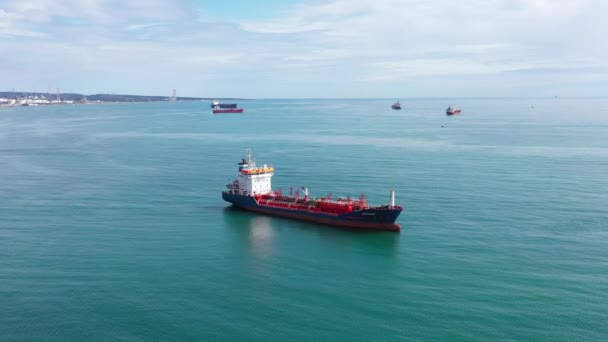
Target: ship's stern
column 238, row 200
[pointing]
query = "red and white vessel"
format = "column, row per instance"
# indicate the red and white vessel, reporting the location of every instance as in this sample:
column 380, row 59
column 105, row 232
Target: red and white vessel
column 452, row 111
column 252, row 191
column 220, row 110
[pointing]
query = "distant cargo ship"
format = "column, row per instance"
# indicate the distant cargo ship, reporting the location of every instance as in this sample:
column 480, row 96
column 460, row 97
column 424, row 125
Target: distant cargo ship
column 252, row 191
column 218, row 110
column 215, row 104
column 452, row 111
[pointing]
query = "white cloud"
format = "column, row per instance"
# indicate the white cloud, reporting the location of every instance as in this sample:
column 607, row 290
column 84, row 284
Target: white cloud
column 43, row 11
column 10, row 26
column 419, row 38
column 206, row 59
column 334, row 44
column 138, row 27
column 420, row 68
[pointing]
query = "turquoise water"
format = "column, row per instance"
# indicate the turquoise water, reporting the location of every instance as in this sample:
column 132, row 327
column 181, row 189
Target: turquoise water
column 112, row 225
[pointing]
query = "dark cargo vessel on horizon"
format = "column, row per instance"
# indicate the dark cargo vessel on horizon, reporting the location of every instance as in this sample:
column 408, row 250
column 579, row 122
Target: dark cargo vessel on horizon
column 217, row 104
column 252, row 191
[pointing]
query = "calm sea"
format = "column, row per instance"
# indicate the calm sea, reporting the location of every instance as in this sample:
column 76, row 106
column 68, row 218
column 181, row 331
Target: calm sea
column 112, row 225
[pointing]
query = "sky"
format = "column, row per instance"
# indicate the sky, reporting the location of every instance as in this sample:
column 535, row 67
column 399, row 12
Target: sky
column 306, row 48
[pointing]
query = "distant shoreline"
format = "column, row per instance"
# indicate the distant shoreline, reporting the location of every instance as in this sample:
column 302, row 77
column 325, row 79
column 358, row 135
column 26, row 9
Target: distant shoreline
column 65, row 103
column 15, row 99
column 50, row 98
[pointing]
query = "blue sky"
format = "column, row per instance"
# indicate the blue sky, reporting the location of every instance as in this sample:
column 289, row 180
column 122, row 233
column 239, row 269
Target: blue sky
column 301, row 48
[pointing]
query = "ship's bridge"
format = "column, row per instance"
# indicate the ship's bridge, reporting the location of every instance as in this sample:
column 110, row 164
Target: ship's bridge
column 254, row 180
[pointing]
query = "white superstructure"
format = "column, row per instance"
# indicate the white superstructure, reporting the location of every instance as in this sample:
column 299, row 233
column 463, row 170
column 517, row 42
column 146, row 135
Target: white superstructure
column 253, row 180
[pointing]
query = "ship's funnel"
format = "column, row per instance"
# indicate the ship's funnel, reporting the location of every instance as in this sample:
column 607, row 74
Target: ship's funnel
column 243, row 164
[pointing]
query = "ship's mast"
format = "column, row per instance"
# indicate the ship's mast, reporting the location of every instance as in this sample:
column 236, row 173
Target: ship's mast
column 392, row 203
column 249, row 159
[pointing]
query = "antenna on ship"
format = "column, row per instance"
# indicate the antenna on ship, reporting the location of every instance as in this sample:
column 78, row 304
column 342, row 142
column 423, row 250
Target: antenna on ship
column 248, row 157
column 305, row 189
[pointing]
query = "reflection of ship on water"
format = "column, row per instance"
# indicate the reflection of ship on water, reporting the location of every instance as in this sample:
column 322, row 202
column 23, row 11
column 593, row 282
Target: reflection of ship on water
column 256, row 230
column 259, row 234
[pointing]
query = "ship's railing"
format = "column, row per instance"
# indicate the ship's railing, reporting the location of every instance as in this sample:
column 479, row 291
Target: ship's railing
column 299, row 207
column 340, row 204
column 235, row 191
column 321, row 202
column 259, row 170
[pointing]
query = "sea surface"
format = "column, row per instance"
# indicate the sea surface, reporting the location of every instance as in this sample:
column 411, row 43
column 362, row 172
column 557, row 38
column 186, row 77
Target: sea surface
column 112, row 226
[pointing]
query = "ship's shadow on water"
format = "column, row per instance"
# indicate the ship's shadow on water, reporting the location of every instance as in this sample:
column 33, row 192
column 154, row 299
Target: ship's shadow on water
column 213, row 208
column 263, row 227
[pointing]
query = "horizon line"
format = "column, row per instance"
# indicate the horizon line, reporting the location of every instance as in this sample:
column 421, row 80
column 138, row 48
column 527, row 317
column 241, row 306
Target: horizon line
column 319, row 98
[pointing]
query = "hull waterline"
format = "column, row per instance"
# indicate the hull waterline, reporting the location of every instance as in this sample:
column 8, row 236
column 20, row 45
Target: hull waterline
column 368, row 219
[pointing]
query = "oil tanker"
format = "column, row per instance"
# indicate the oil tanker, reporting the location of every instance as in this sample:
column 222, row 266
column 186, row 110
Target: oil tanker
column 252, row 191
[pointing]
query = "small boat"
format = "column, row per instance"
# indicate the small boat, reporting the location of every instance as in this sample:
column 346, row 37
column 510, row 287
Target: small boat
column 396, row 106
column 452, row 111
column 218, row 110
column 222, row 105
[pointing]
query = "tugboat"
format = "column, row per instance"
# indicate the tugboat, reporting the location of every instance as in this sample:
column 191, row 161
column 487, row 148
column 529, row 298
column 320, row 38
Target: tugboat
column 219, row 110
column 452, row 111
column 396, row 106
column 252, row 191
